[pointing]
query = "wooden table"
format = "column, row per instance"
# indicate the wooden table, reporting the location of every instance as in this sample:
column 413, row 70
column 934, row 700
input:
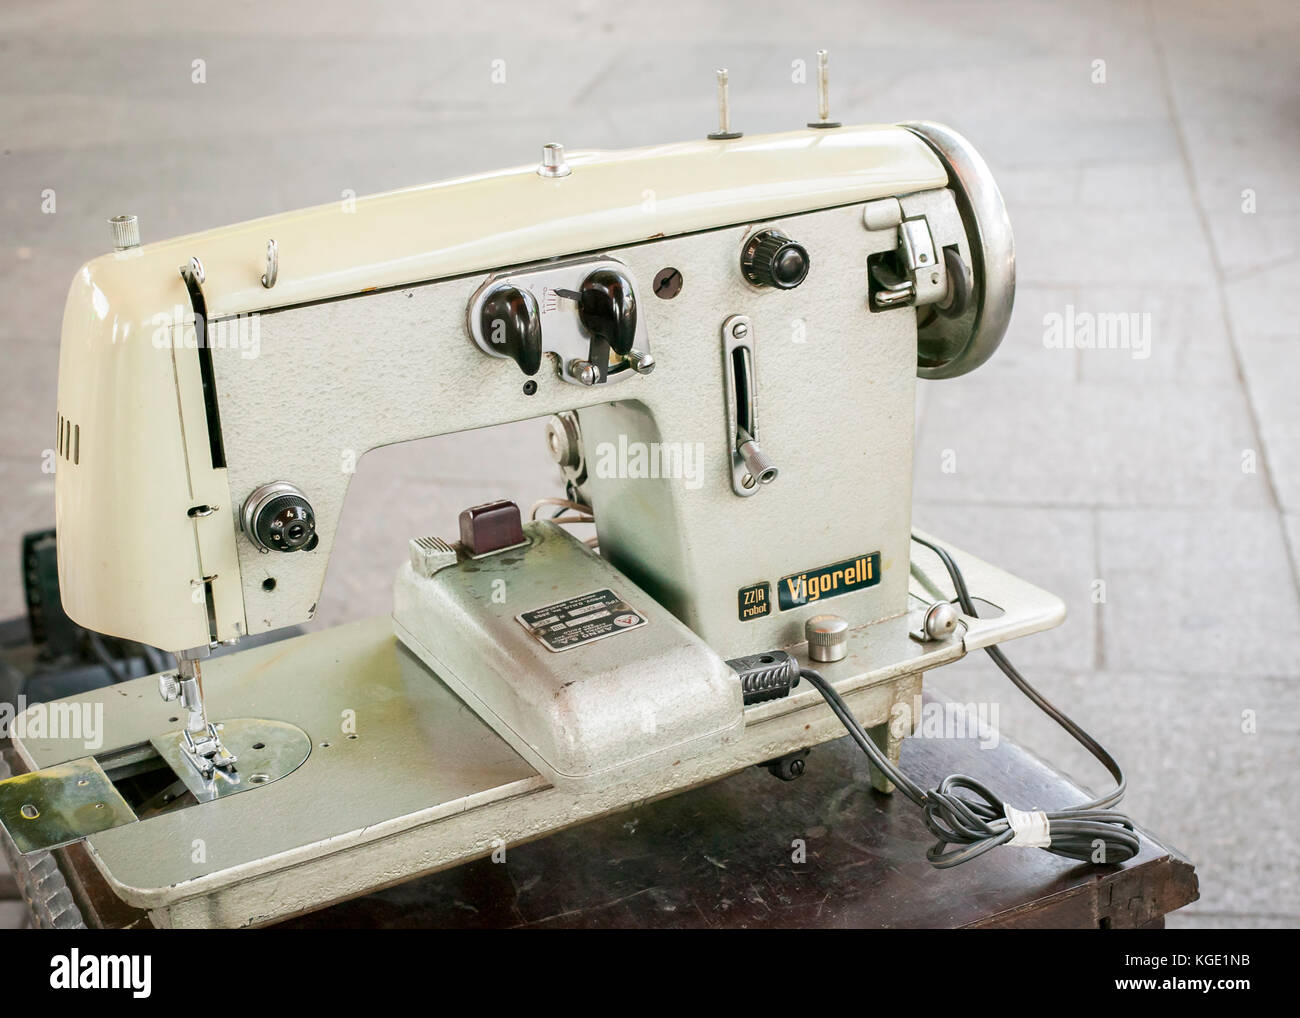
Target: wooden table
column 728, row 855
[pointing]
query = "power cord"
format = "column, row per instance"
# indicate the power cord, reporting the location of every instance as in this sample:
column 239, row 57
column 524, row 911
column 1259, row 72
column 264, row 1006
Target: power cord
column 981, row 821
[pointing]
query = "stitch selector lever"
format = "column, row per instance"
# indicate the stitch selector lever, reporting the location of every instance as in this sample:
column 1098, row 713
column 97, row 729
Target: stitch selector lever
column 510, row 321
column 607, row 310
column 607, row 307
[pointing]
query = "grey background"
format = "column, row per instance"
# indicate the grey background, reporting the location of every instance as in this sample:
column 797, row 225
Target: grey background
column 1071, row 466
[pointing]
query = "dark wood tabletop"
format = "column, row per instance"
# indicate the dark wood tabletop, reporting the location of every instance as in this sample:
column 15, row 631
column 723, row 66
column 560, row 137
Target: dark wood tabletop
column 726, row 855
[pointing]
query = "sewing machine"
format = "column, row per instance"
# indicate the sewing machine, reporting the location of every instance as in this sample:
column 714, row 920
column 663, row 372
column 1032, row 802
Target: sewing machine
column 725, row 334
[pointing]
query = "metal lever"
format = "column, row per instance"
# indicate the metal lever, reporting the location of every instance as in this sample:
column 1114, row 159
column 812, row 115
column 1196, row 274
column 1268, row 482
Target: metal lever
column 757, row 462
column 751, row 467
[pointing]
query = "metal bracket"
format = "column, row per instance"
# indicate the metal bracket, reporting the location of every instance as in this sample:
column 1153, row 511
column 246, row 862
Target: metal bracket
column 272, row 272
column 939, row 621
column 914, row 273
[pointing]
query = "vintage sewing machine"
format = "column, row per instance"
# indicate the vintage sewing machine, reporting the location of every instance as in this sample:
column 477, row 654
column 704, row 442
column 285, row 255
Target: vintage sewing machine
column 757, row 306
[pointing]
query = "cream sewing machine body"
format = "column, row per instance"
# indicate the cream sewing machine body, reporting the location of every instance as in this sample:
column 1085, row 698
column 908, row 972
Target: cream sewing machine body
column 364, row 333
column 760, row 306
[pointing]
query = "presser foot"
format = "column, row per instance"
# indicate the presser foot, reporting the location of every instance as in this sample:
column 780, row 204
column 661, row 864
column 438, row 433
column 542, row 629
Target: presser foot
column 206, row 753
column 206, row 760
column 199, row 746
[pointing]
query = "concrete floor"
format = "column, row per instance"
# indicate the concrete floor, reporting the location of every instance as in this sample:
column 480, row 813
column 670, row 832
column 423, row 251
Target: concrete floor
column 1073, row 466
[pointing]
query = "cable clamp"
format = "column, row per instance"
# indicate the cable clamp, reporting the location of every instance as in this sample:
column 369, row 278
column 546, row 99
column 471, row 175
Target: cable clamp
column 1031, row 827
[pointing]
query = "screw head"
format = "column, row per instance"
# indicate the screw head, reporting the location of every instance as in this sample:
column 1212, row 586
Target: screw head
column 585, row 372
column 641, row 361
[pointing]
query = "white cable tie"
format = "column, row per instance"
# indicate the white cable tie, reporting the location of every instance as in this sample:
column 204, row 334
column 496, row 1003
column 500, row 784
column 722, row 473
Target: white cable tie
column 1031, row 828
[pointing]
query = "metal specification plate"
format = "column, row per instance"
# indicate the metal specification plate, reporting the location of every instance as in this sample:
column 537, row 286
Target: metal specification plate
column 581, row 620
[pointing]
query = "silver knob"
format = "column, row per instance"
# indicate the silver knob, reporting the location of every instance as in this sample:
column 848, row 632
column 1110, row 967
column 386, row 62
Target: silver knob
column 553, row 164
column 126, row 232
column 168, row 687
column 585, row 372
column 641, row 361
column 828, row 637
column 940, row 620
column 757, row 462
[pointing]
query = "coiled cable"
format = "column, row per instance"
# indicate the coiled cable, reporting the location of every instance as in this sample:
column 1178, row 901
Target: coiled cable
column 965, row 813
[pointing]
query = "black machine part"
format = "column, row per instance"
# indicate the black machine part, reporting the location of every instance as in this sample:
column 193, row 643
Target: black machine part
column 49, row 623
column 510, row 319
column 767, row 676
column 770, row 258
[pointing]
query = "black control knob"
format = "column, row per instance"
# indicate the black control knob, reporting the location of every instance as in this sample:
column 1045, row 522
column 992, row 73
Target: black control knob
column 771, row 258
column 607, row 309
column 278, row 517
column 510, row 322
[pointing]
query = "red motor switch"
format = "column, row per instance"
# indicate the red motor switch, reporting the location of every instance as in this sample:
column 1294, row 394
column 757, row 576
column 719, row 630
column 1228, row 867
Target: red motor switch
column 491, row 527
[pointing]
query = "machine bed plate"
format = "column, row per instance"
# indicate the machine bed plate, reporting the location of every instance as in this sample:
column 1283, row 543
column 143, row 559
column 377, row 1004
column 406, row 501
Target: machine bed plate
column 403, row 779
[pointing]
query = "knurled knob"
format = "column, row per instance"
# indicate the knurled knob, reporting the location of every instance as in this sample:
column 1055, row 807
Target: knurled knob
column 169, row 687
column 126, row 232
column 828, row 637
column 771, row 258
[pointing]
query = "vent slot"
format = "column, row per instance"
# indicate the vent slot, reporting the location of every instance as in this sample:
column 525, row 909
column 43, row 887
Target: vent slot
column 68, row 440
column 211, row 605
